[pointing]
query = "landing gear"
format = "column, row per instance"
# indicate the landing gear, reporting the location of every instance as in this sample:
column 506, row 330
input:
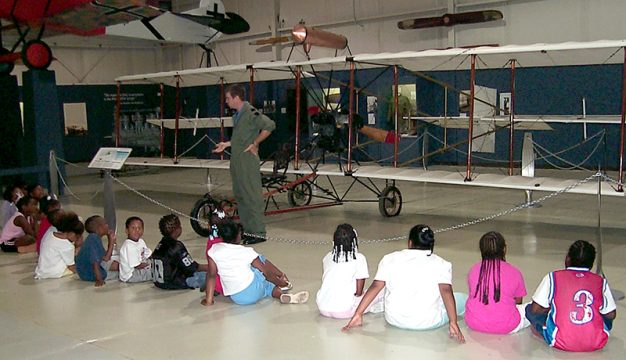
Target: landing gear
column 202, row 210
column 300, row 195
column 390, row 201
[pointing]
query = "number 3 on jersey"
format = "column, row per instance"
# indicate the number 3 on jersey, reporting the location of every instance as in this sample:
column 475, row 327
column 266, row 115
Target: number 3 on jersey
column 583, row 312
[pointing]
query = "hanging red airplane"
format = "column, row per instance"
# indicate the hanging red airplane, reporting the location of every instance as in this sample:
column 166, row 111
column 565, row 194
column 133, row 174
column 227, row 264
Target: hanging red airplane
column 143, row 19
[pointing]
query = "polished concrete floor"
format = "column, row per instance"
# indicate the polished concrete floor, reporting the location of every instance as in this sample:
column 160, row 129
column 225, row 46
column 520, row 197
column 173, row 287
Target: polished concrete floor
column 71, row 319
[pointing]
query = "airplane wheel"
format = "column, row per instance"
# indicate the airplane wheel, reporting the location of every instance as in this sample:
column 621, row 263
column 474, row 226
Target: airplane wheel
column 202, row 210
column 36, row 54
column 390, row 201
column 5, row 68
column 300, row 195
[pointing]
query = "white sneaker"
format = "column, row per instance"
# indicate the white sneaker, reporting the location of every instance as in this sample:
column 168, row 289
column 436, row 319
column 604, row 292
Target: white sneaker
column 297, row 298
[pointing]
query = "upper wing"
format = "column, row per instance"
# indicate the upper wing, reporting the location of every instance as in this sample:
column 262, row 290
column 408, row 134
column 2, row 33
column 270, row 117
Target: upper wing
column 80, row 17
column 231, row 24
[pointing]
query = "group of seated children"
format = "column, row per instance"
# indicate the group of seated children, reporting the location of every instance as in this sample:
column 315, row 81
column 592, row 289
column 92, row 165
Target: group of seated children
column 572, row 309
column 23, row 211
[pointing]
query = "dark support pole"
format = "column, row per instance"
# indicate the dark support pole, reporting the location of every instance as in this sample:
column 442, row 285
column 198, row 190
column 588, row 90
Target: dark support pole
column 396, row 113
column 470, row 129
column 162, row 115
column 177, row 119
column 118, row 105
column 621, row 138
column 511, row 117
column 350, row 115
column 297, row 142
column 222, row 96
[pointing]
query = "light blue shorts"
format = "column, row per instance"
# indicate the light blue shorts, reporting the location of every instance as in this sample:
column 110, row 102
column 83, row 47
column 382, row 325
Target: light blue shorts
column 259, row 289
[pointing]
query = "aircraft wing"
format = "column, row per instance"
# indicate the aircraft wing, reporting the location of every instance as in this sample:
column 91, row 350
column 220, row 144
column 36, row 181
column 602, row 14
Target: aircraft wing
column 79, row 17
column 402, row 174
column 231, row 24
column 193, row 123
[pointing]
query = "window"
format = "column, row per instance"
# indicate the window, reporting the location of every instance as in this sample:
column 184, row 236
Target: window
column 75, row 115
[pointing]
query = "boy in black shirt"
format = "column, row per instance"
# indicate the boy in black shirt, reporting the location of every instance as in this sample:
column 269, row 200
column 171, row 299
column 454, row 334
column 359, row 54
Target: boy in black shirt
column 172, row 265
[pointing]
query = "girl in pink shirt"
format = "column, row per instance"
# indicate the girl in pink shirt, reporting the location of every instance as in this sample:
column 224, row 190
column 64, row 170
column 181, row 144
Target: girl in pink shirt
column 496, row 290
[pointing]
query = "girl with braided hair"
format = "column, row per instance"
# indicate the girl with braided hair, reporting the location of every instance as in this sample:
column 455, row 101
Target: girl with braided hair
column 417, row 286
column 496, row 290
column 345, row 271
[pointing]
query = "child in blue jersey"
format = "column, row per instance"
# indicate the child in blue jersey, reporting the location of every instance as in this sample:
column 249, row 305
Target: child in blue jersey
column 93, row 262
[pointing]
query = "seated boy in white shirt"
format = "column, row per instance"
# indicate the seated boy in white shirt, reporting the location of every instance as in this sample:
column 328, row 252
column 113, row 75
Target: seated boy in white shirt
column 135, row 254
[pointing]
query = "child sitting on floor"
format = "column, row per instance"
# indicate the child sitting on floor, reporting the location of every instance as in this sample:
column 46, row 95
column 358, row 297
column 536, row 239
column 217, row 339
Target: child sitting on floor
column 418, row 288
column 573, row 309
column 496, row 290
column 135, row 254
column 217, row 217
column 18, row 234
column 57, row 250
column 172, row 265
column 247, row 277
column 47, row 206
column 345, row 271
column 93, row 262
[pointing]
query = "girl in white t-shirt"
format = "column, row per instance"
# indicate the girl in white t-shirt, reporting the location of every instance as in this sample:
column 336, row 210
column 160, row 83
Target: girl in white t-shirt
column 246, row 276
column 345, row 271
column 56, row 258
column 418, row 288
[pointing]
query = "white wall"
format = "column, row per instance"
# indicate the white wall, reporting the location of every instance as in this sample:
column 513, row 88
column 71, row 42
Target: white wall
column 374, row 30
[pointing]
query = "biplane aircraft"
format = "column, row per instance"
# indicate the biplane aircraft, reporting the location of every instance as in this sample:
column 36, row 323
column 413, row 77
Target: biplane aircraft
column 33, row 20
column 306, row 169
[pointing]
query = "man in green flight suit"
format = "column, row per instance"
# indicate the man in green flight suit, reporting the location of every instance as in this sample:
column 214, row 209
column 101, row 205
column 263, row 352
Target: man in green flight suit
column 250, row 128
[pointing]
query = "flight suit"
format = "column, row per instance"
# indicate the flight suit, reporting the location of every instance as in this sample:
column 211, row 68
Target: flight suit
column 245, row 169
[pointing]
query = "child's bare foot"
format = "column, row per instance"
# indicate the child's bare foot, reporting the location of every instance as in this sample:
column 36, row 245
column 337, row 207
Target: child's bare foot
column 297, row 298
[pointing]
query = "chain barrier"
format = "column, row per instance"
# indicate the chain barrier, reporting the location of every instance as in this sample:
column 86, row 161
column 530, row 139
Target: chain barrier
column 371, row 241
column 520, row 207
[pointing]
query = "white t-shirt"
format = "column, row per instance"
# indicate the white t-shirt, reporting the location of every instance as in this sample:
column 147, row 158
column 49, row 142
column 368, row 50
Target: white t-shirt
column 412, row 297
column 54, row 257
column 234, row 266
column 132, row 253
column 339, row 282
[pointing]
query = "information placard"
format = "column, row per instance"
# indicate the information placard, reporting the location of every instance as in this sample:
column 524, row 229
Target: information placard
column 110, row 158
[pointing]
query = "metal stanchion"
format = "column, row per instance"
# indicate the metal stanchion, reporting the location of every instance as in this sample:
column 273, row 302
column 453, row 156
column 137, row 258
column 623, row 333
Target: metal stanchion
column 109, row 201
column 54, row 176
column 617, row 295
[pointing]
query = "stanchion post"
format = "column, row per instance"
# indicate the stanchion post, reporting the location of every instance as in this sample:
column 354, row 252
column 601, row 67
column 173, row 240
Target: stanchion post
column 109, row 200
column 350, row 115
column 54, row 176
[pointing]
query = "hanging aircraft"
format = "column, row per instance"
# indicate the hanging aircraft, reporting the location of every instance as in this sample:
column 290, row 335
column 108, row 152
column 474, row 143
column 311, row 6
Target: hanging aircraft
column 145, row 19
column 471, row 17
column 307, row 37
